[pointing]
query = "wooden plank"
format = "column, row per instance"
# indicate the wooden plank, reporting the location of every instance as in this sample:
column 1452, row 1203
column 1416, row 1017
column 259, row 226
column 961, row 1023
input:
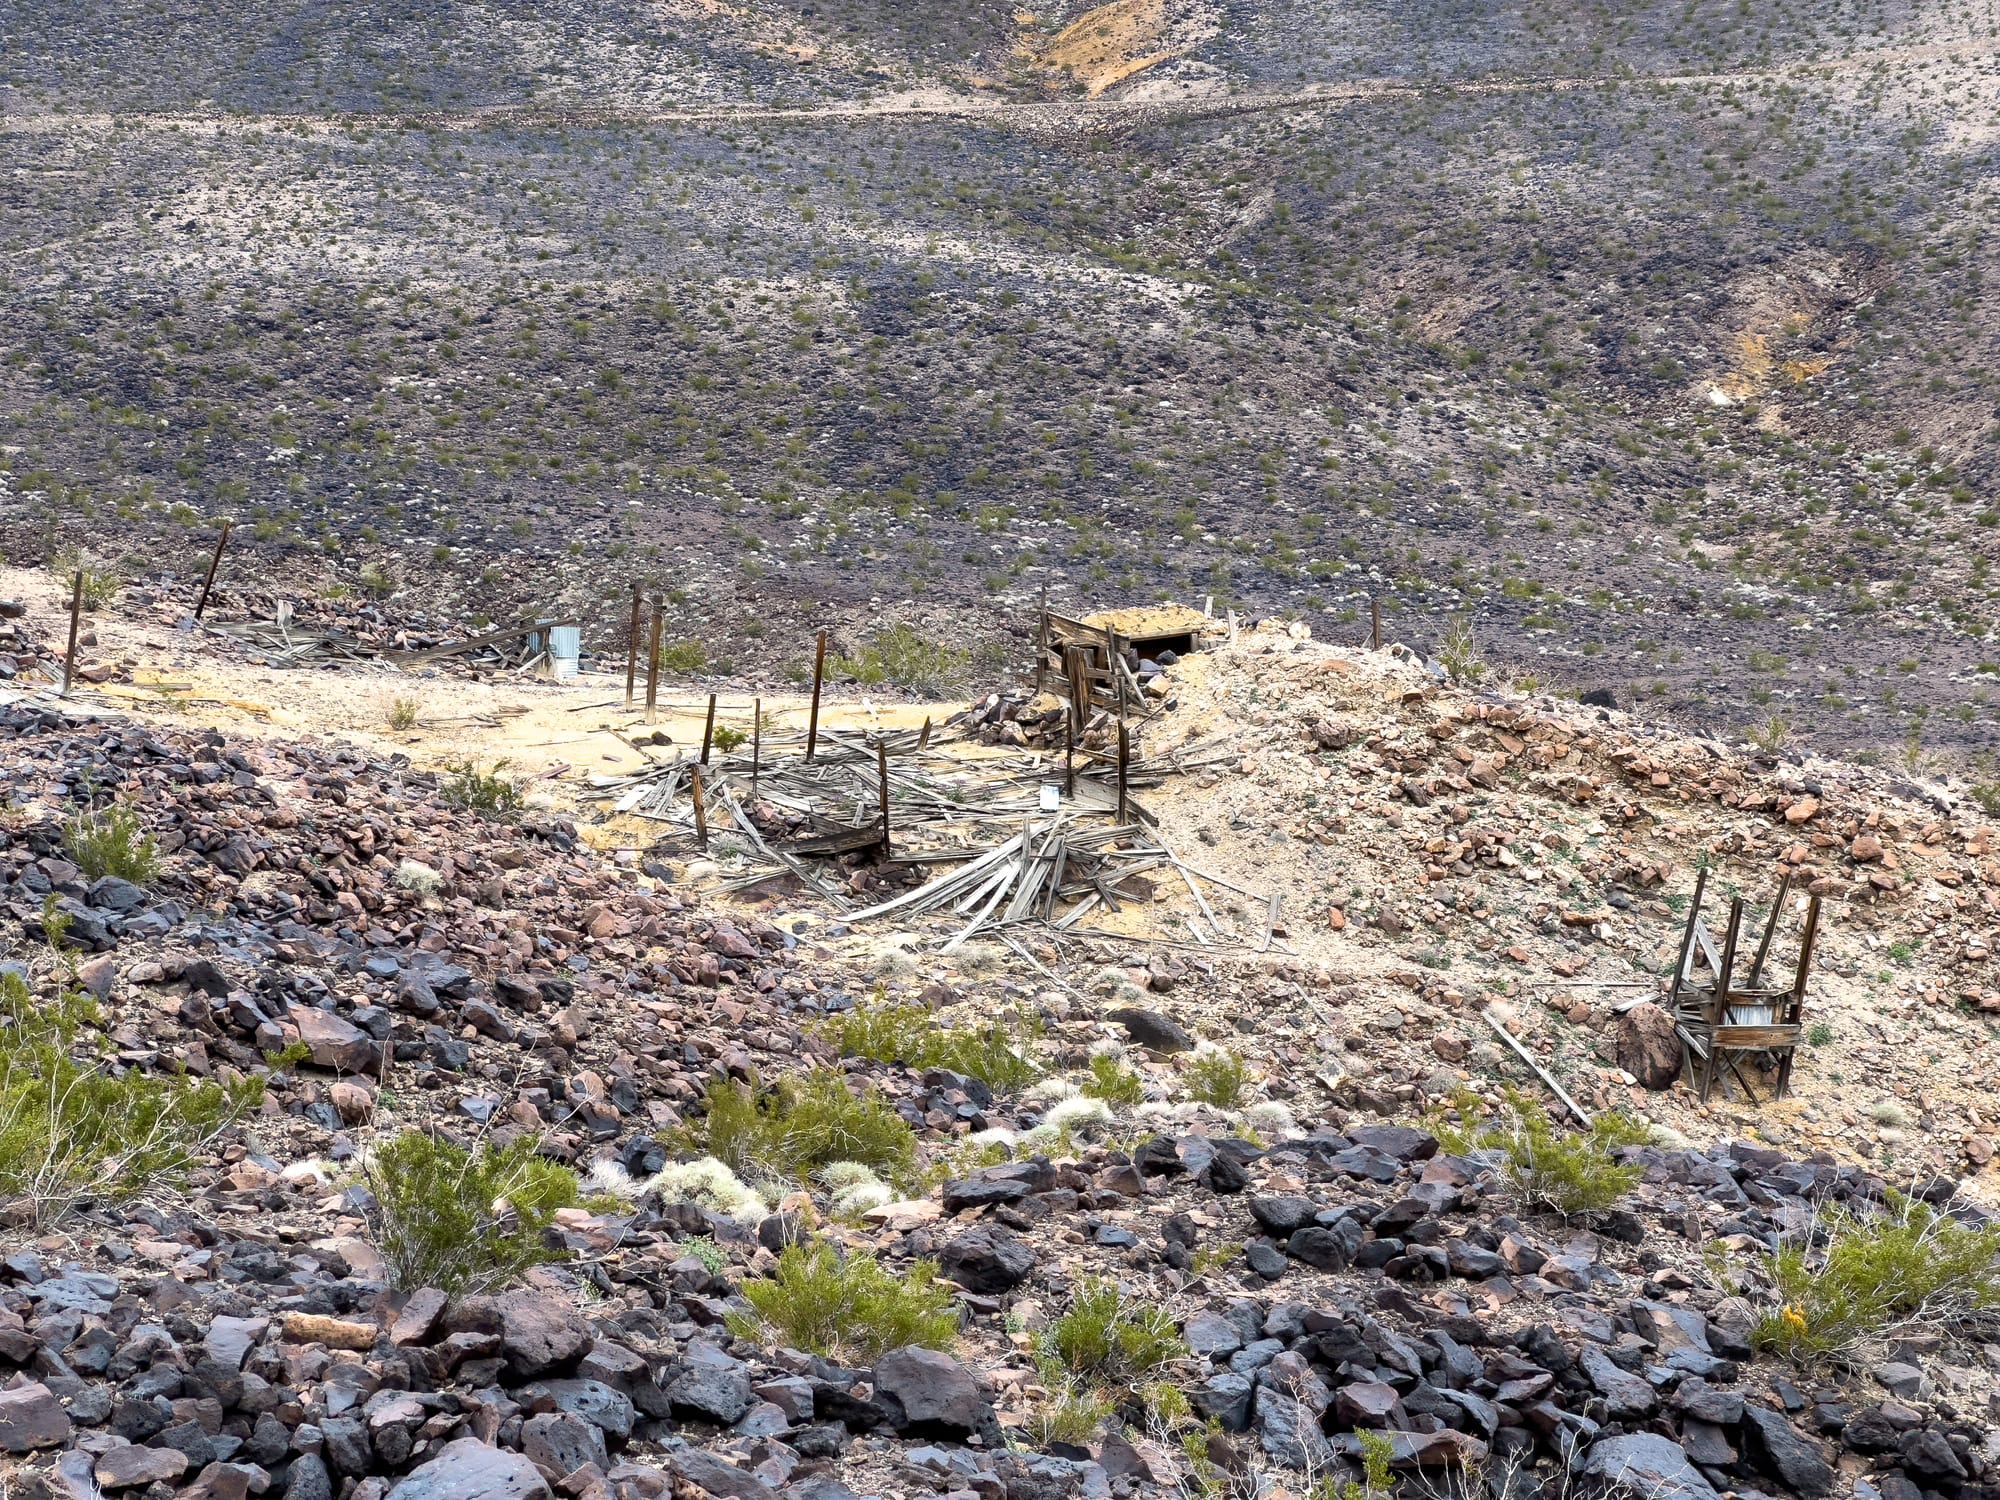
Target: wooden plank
column 1577, row 1111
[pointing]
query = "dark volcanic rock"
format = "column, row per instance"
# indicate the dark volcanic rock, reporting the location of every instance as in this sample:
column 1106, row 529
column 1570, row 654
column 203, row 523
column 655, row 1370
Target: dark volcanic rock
column 1152, row 1030
column 988, row 1258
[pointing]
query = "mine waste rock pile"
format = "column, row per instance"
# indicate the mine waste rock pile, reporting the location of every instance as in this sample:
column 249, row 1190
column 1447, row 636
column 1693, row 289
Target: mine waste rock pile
column 366, row 1131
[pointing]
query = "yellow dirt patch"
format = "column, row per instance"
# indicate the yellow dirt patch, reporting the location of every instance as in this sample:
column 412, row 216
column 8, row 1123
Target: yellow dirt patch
column 1104, row 47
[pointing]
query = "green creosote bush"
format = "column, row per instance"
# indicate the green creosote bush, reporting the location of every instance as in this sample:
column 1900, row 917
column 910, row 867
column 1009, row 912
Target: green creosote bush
column 910, row 1034
column 1114, row 1083
column 1106, row 1335
column 112, row 841
column 728, row 737
column 464, row 1220
column 849, row 1308
column 1071, row 1412
column 798, row 1125
column 903, row 656
column 1217, row 1076
column 403, row 714
column 100, row 585
column 70, row 1130
column 376, row 583
column 1569, row 1172
column 1378, row 1477
column 493, row 792
column 683, row 658
column 1909, row 1265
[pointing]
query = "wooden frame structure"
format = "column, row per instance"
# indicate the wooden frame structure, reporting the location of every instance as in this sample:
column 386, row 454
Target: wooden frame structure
column 1721, row 1021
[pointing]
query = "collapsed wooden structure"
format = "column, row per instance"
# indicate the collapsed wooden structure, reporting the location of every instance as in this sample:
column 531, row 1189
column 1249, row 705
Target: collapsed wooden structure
column 1096, row 662
column 1723, row 1023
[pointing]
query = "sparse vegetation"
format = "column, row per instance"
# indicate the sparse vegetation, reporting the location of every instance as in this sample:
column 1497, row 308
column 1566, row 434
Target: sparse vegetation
column 1907, row 1265
column 403, row 714
column 1568, row 1172
column 1107, row 1335
column 493, row 792
column 996, row 1053
column 1216, row 1076
column 796, row 1125
column 1114, row 1083
column 850, row 1308
column 71, row 1131
column 112, row 840
column 464, row 1220
column 902, row 656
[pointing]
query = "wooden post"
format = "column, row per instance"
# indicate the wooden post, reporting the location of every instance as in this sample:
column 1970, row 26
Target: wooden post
column 819, row 674
column 213, row 563
column 75, row 625
column 700, row 808
column 632, row 649
column 1042, row 641
column 1375, row 624
column 1069, row 751
column 756, row 740
column 1111, row 663
column 653, row 667
column 708, row 730
column 1124, row 760
column 882, row 770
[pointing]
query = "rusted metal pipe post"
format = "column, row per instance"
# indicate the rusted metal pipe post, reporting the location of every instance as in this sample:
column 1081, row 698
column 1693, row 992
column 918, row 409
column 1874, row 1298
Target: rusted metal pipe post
column 708, row 730
column 214, row 563
column 819, row 674
column 1375, row 624
column 75, row 625
column 700, row 808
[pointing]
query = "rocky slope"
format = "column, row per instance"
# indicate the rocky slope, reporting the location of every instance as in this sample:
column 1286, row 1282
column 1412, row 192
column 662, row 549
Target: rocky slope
column 1331, row 1268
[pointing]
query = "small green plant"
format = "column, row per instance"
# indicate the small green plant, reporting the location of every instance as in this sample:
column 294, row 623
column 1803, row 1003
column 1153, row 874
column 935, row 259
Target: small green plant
column 904, row 657
column 112, row 841
column 70, row 1131
column 493, row 792
column 1114, row 1083
column 1217, row 1076
column 403, row 714
column 705, row 1250
column 1106, row 1335
column 799, row 1125
column 464, row 1221
column 1818, row 1034
column 1071, row 1412
column 849, row 1308
column 683, row 658
column 1772, row 735
column 910, row 1034
column 728, row 737
column 1378, row 1477
column 1458, row 652
column 100, row 585
column 1566, row 1171
column 1908, row 1266
column 376, row 583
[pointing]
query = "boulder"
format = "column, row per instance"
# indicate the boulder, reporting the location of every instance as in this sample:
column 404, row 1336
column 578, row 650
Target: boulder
column 333, row 1042
column 1643, row 1466
column 1786, row 1452
column 934, row 1392
column 539, row 1334
column 1648, row 1046
column 988, row 1258
column 31, row 1417
column 469, row 1470
column 1152, row 1030
column 711, row 1386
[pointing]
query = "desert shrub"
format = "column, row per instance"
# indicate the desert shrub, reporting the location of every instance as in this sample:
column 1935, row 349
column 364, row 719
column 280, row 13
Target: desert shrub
column 375, row 582
column 1114, row 1083
column 1570, row 1172
column 491, row 792
column 112, row 841
column 1458, row 652
column 910, row 1034
column 100, row 585
column 799, row 1125
column 904, row 657
column 1071, row 1412
column 413, row 875
column 403, row 713
column 464, row 1221
column 1216, row 1076
column 1908, row 1265
column 849, row 1308
column 683, row 658
column 1107, row 1335
column 69, row 1130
